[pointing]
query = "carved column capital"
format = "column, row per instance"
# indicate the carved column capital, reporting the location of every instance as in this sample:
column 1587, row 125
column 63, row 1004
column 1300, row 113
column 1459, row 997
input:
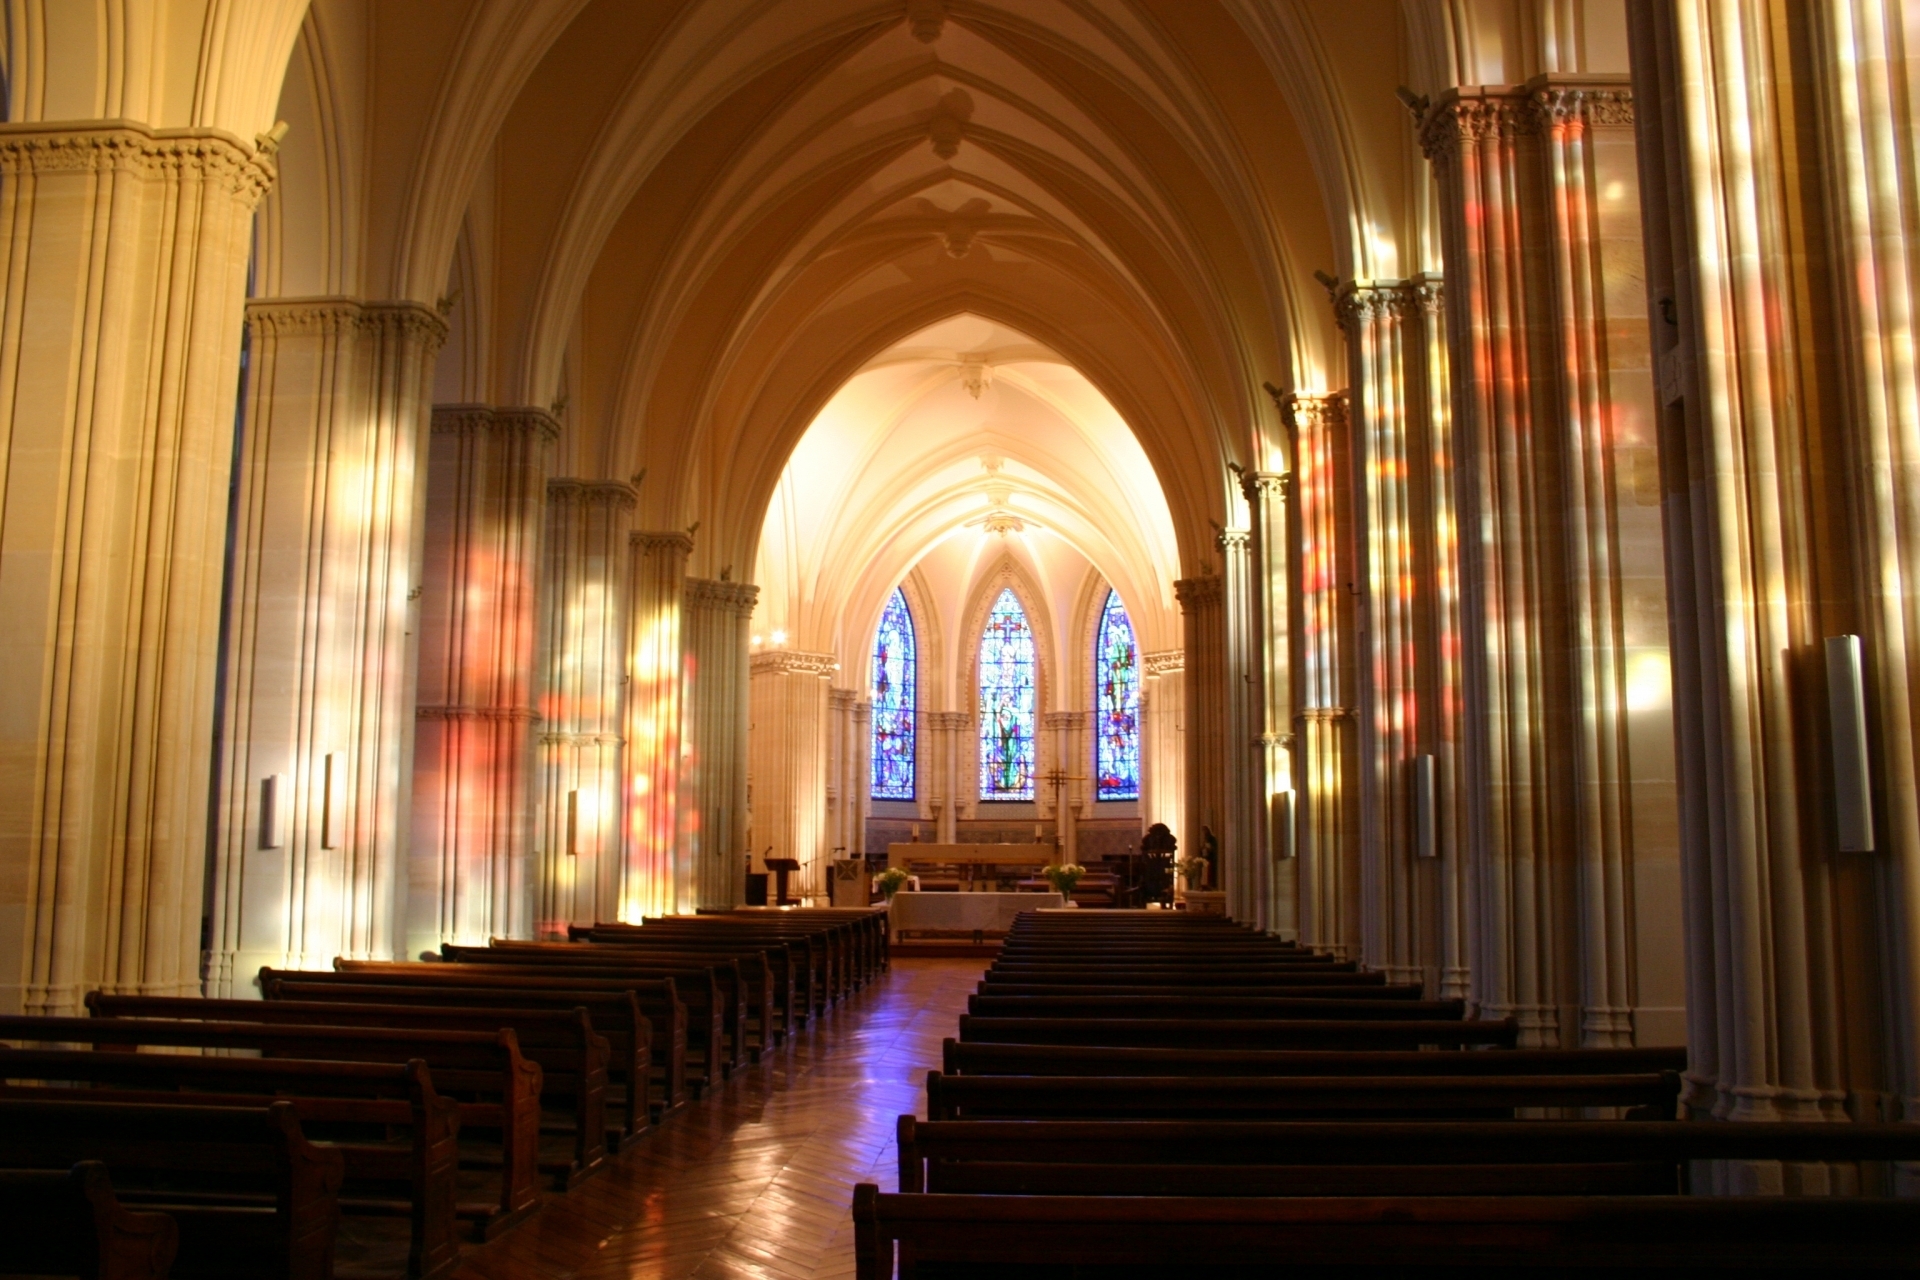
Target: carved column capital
column 1195, row 594
column 482, row 419
column 721, row 597
column 794, row 662
column 1164, row 662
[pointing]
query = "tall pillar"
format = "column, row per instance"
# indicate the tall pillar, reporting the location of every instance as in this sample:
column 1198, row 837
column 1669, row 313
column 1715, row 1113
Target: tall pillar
column 1553, row 400
column 583, row 645
column 1206, row 712
column 124, row 266
column 714, row 824
column 318, row 698
column 1324, row 752
column 840, row 781
column 654, row 879
column 1163, row 793
column 469, row 876
column 1247, row 872
column 787, row 759
column 862, row 771
column 1269, row 654
column 1066, row 727
column 1775, row 152
column 947, row 734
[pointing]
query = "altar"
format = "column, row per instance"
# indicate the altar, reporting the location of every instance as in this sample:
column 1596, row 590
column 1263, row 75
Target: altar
column 987, row 914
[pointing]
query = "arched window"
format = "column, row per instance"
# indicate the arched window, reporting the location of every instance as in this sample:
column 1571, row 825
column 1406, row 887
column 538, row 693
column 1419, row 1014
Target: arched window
column 894, row 672
column 1116, row 678
column 1008, row 702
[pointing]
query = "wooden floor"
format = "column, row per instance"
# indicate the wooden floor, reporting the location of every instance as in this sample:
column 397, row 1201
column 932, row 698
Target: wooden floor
column 756, row 1180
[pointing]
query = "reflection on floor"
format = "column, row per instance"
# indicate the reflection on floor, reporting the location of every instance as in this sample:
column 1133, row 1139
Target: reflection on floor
column 756, row 1180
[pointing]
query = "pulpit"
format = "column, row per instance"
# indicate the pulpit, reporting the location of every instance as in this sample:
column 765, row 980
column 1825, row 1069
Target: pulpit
column 783, row 868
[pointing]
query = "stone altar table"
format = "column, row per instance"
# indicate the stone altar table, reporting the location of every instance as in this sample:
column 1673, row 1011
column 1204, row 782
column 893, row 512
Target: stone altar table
column 983, row 913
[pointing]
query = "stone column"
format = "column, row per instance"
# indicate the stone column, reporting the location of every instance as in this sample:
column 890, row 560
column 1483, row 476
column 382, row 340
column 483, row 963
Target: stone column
column 581, row 788
column 469, row 872
column 1552, row 396
column 1775, row 145
column 1384, row 358
column 1163, row 765
column 1247, row 872
column 655, row 880
column 841, row 784
column 1269, row 654
column 1066, row 727
column 123, row 273
column 862, row 771
column 317, row 725
column 947, row 735
column 1326, row 797
column 787, row 759
column 1206, row 712
column 714, row 826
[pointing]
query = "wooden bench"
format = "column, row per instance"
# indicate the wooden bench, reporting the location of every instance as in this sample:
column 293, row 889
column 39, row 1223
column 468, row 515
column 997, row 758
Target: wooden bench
column 571, row 1054
column 1405, row 1008
column 1242, row 1033
column 1358, row 1157
column 787, row 967
column 495, row 1088
column 1015, row 1236
column 69, row 1222
column 828, row 950
column 1475, row 1097
column 249, row 1195
column 617, row 1015
column 696, row 995
column 974, row 1058
column 337, row 1104
column 1041, row 982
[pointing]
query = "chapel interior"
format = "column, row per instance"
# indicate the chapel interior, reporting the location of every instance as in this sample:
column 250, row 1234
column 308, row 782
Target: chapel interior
column 478, row 473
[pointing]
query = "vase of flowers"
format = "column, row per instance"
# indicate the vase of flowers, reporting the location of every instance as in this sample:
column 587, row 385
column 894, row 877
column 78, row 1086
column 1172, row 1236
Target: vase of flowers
column 1063, row 876
column 888, row 882
column 1193, row 869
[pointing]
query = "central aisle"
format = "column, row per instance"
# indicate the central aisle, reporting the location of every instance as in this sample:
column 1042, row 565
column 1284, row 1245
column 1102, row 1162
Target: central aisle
column 756, row 1180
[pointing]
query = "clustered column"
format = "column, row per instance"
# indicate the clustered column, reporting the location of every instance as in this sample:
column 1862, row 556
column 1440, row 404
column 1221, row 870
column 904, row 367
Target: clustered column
column 788, row 759
column 1206, row 710
column 318, row 720
column 654, row 880
column 714, row 824
column 1324, row 756
column 472, row 805
column 582, row 705
column 121, row 277
column 1269, row 653
column 1163, row 775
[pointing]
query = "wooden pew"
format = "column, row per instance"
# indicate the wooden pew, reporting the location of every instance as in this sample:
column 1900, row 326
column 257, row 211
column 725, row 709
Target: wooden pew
column 336, row 1103
column 1043, row 982
column 1406, row 1008
column 1001, row 1235
column 973, row 1058
column 1475, row 1097
column 787, row 965
column 616, row 1014
column 69, row 1222
column 1242, row 1033
column 827, row 950
column 494, row 1086
column 250, row 1196
column 705, row 1044
column 866, row 926
column 572, row 1056
column 1283, row 1157
column 746, row 977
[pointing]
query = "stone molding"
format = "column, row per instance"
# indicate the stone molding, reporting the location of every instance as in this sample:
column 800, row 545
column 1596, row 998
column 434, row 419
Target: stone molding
column 721, row 597
column 562, row 739
column 1326, row 411
column 1273, row 483
column 610, row 493
column 649, row 541
column 129, row 147
column 446, row 711
column 1324, row 714
column 481, row 419
column 1232, row 539
column 795, row 662
column 1057, row 720
column 1473, row 114
column 947, row 719
column 1197, row 593
column 1164, row 662
column 297, row 317
column 840, row 699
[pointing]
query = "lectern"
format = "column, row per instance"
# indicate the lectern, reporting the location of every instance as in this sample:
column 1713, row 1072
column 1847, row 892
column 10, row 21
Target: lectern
column 782, row 868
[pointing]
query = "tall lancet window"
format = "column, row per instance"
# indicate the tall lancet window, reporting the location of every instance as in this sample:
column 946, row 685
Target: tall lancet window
column 893, row 702
column 1116, row 675
column 1008, row 702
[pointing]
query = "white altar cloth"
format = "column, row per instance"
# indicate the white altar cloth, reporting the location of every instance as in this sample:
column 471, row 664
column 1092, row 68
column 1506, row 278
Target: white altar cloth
column 986, row 912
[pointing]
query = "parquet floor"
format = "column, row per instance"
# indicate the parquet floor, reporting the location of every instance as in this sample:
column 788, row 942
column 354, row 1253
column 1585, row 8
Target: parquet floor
column 755, row 1180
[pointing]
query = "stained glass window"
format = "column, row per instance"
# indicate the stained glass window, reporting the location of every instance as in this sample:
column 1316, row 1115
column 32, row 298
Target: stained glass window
column 1116, row 677
column 1007, row 702
column 893, row 702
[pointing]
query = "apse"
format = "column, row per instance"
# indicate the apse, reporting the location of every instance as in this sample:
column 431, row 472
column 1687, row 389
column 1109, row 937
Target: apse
column 964, row 471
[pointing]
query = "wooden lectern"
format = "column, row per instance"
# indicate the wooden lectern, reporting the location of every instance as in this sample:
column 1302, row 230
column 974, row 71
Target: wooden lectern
column 782, row 868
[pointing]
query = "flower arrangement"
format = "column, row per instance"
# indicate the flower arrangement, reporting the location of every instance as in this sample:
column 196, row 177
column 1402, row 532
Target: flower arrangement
column 1194, row 869
column 888, row 882
column 1063, row 876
